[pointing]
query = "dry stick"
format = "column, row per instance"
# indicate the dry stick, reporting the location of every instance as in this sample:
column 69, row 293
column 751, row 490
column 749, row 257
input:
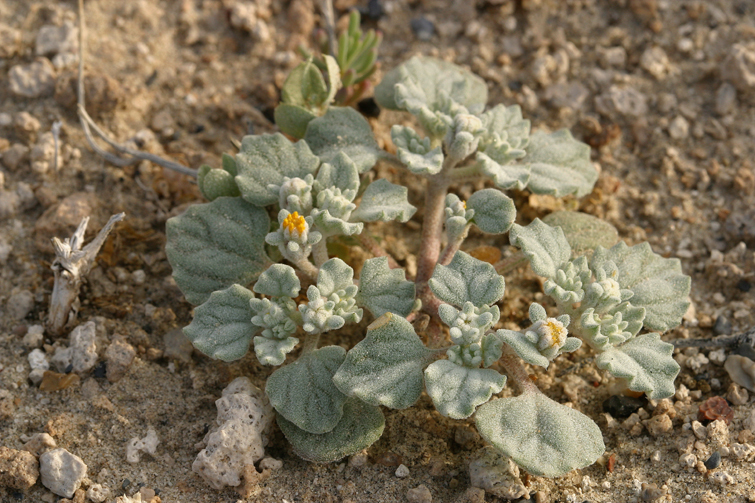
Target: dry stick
column 371, row 246
column 86, row 122
column 330, row 24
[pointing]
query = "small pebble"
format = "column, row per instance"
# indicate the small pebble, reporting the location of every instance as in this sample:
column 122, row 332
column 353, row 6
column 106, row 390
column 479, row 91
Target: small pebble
column 715, row 408
column 402, row 471
column 714, row 461
column 650, row 492
column 420, row 494
column 18, row 469
column 423, row 28
column 722, row 326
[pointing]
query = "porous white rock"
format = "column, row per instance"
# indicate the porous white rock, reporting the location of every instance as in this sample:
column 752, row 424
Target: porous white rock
column 81, row 351
column 240, row 437
column 38, row 360
column 62, row 472
column 496, row 474
column 137, row 445
column 35, row 336
column 97, row 493
column 743, row 452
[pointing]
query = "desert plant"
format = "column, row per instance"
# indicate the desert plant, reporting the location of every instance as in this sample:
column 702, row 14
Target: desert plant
column 328, row 400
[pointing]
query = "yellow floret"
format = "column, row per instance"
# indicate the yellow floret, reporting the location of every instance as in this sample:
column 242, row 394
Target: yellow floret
column 295, row 222
column 464, row 203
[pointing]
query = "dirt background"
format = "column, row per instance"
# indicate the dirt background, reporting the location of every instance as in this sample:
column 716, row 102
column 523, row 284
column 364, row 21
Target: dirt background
column 663, row 91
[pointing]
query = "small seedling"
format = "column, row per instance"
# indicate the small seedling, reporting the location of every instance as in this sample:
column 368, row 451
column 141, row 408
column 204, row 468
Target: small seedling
column 615, row 299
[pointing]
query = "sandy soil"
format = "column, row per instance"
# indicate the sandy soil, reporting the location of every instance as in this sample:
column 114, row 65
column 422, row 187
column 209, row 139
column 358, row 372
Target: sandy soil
column 662, row 90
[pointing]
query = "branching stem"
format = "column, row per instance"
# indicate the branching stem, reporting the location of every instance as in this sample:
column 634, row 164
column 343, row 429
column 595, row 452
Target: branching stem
column 516, row 371
column 508, row 264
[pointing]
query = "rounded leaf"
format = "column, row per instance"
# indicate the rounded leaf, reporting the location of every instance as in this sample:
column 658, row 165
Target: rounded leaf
column 542, row 436
column 494, row 212
column 360, row 426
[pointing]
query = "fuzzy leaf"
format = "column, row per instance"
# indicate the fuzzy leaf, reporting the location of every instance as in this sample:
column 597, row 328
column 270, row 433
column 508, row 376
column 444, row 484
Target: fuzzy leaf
column 293, row 119
column 329, row 225
column 492, row 349
column 433, row 78
column 214, row 183
column 494, row 164
column 334, row 275
column 525, row 348
column 343, row 130
column 360, row 426
column 215, row 245
column 657, row 283
column 494, row 212
column 304, row 86
column 505, row 124
column 456, row 391
column 385, row 368
column 222, row 326
column 583, row 232
column 415, row 152
column 342, row 174
column 560, row 165
column 545, row 247
column 383, row 201
column 273, row 351
column 646, row 362
column 265, row 159
column 278, row 280
column 303, row 391
column 334, row 77
column 467, row 279
column 543, row 437
column 383, row 290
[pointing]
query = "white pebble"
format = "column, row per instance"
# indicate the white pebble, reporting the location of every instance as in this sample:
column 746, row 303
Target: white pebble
column 402, row 471
column 136, row 445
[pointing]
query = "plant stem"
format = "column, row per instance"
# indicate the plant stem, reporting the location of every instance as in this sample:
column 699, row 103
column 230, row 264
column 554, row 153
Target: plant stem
column 452, row 247
column 307, row 268
column 470, row 171
column 516, row 371
column 510, row 263
column 320, row 252
column 329, row 21
column 310, row 343
column 373, row 247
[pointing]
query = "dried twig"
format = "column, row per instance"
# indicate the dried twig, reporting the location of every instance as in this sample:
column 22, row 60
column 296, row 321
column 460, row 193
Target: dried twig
column 56, row 138
column 71, row 266
column 87, row 122
column 741, row 344
column 330, row 24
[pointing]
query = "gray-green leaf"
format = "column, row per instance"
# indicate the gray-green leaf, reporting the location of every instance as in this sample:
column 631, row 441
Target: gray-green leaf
column 384, row 201
column 273, row 351
column 494, row 164
column 334, row 275
column 265, row 159
column 657, row 283
column 415, row 152
column 583, row 232
column 303, row 391
column 544, row 246
column 525, row 348
column 385, row 368
column 343, row 130
column 505, row 124
column 560, row 165
column 494, row 212
column 542, row 436
column 383, row 290
column 214, row 183
column 456, row 391
column 467, row 279
column 342, row 174
column 222, row 326
column 215, row 245
column 360, row 427
column 279, row 280
column 293, row 119
column 646, row 362
column 433, row 79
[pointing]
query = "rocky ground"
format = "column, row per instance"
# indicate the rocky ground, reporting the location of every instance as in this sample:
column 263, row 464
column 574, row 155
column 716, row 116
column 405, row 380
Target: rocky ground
column 663, row 91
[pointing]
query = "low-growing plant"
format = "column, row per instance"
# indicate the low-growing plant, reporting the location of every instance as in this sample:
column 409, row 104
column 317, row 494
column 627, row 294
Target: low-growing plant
column 614, row 299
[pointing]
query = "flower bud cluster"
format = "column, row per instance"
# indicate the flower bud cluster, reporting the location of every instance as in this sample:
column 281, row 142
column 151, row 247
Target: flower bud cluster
column 323, row 313
column 274, row 317
column 469, row 324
